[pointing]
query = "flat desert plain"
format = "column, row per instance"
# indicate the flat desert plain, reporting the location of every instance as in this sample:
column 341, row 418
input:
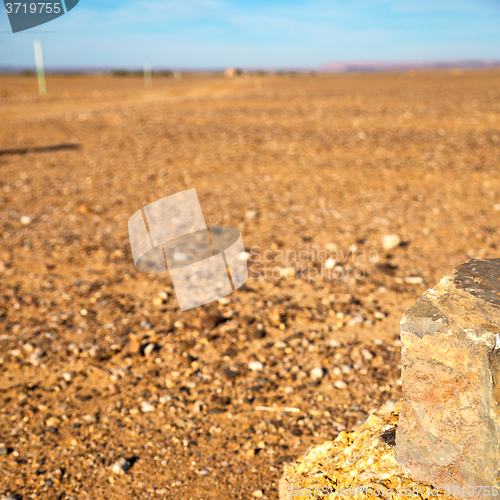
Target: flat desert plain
column 353, row 193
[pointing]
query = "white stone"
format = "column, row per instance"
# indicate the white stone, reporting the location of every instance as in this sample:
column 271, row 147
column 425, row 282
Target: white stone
column 121, row 466
column 316, row 373
column 330, row 263
column 390, row 241
column 147, row 407
column 255, row 365
column 413, row 280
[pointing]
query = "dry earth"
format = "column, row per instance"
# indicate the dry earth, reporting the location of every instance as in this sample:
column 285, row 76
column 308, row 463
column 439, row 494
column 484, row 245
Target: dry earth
column 98, row 363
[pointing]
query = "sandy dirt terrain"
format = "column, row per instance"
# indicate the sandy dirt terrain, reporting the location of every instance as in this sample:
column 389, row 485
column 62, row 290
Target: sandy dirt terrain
column 353, row 194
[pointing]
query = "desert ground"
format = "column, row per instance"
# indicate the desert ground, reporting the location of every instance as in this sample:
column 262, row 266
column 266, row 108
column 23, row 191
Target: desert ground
column 353, row 194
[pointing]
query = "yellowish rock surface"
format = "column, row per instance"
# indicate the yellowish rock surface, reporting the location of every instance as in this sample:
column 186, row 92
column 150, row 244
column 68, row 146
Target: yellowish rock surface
column 357, row 464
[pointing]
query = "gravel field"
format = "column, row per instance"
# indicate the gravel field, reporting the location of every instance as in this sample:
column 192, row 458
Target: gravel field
column 353, row 194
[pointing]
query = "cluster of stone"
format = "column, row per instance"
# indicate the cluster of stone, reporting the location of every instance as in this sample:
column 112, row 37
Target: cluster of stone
column 442, row 440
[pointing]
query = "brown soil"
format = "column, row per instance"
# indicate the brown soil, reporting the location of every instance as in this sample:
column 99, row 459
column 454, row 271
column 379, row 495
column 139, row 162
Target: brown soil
column 296, row 163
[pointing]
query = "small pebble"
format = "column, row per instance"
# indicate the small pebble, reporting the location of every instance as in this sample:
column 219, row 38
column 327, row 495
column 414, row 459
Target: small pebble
column 52, row 422
column 357, row 320
column 157, row 301
column 149, row 349
column 25, row 220
column 255, row 365
column 288, row 272
column 330, row 263
column 244, row 256
column 340, row 384
column 390, row 241
column 367, row 354
column 147, row 407
column 121, row 466
column 316, row 373
column 197, row 407
column 414, row 280
column 258, row 494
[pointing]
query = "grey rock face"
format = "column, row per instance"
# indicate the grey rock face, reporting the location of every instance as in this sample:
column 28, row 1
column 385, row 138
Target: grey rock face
column 449, row 423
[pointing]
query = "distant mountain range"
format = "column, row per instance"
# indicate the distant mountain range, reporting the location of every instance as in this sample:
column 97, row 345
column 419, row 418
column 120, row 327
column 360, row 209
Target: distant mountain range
column 329, row 67
column 345, row 67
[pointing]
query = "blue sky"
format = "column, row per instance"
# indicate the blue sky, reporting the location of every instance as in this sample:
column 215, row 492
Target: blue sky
column 258, row 33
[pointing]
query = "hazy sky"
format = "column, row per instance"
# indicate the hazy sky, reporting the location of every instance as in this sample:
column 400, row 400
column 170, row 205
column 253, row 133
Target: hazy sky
column 258, row 33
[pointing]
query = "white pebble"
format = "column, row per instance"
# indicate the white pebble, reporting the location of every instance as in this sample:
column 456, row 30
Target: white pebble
column 340, row 384
column 147, row 407
column 414, row 280
column 316, row 373
column 244, row 256
column 390, row 241
column 330, row 263
column 149, row 349
column 357, row 320
column 121, row 466
column 25, row 220
column 367, row 354
column 255, row 365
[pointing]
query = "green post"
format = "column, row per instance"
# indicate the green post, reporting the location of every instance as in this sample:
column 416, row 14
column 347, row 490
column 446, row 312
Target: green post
column 42, row 89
